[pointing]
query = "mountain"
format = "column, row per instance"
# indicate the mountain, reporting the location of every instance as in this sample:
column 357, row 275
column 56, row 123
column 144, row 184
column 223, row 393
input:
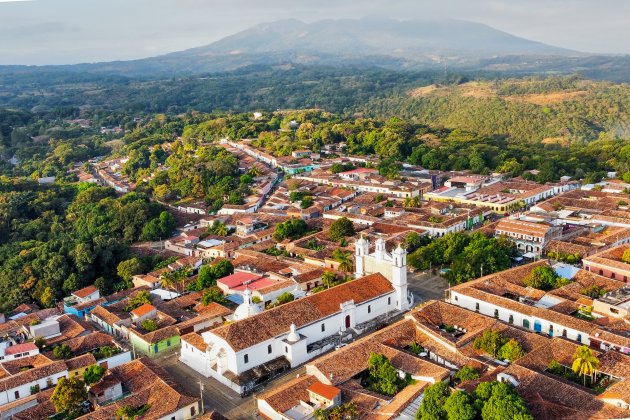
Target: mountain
column 373, row 36
column 378, row 42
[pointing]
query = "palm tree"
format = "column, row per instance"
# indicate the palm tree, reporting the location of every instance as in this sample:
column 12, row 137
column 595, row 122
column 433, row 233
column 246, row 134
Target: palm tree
column 167, row 280
column 585, row 362
column 344, row 260
column 408, row 202
column 328, row 279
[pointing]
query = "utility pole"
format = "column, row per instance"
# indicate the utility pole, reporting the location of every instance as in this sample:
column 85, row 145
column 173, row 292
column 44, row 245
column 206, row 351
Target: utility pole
column 201, row 394
column 481, row 270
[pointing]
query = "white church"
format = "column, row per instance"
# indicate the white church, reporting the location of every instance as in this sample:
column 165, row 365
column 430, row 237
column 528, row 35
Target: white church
column 259, row 344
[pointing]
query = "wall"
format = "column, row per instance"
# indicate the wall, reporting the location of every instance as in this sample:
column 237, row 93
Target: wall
column 488, row 309
column 25, row 390
column 143, row 347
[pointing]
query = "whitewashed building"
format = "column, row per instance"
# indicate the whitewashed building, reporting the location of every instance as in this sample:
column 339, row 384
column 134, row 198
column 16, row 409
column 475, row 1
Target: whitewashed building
column 251, row 350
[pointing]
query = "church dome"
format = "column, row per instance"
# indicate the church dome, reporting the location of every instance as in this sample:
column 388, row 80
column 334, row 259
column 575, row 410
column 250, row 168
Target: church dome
column 247, row 308
column 293, row 334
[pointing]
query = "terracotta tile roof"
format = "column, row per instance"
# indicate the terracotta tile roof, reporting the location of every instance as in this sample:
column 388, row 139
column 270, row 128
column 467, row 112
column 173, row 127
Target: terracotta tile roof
column 32, row 375
column 16, row 366
column 288, row 395
column 268, row 324
column 104, row 314
column 20, row 348
column 149, row 384
column 80, row 362
column 327, row 391
column 551, row 398
column 195, row 340
column 143, row 310
column 85, row 292
column 343, row 364
column 70, row 327
column 89, row 342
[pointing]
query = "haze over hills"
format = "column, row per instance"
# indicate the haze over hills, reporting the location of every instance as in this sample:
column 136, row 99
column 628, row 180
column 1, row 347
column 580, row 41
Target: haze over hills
column 370, row 41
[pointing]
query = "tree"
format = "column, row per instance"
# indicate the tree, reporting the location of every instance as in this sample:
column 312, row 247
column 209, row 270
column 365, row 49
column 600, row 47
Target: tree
column 306, row 202
column 459, row 406
column 68, row 396
column 340, row 228
column 48, row 297
column 346, row 411
column 213, row 294
column 149, row 325
column 329, row 279
column 585, row 362
column 466, row 373
column 285, row 297
column 344, row 259
column 128, row 412
column 62, row 351
column 490, row 341
column 129, row 268
column 511, row 351
column 432, row 406
column 626, row 256
column 292, row 228
column 93, row 374
column 542, row 278
column 138, row 300
column 384, row 378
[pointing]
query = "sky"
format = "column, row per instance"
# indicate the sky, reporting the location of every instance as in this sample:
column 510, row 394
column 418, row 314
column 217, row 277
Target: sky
column 73, row 31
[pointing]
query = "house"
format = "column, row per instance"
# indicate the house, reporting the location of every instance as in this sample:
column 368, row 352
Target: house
column 10, row 352
column 530, row 237
column 139, row 383
column 609, row 263
column 82, row 301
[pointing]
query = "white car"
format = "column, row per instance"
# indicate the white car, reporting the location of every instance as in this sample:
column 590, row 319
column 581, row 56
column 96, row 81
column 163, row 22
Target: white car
column 340, row 345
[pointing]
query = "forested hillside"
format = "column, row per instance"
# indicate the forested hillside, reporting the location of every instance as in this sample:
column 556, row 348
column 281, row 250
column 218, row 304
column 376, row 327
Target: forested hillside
column 555, row 110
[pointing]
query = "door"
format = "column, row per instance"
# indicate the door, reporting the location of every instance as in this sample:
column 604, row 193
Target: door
column 537, row 326
column 347, row 321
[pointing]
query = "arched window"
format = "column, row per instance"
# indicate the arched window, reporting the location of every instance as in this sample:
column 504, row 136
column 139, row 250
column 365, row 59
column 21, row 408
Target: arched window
column 477, row 306
column 496, row 313
column 526, row 323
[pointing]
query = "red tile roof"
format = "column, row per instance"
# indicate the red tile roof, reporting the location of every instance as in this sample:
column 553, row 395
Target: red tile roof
column 85, row 292
column 143, row 310
column 238, row 278
column 327, row 391
column 256, row 329
column 20, row 348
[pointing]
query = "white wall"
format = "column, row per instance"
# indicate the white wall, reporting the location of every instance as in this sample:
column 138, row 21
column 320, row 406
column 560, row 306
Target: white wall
column 25, row 390
column 488, row 309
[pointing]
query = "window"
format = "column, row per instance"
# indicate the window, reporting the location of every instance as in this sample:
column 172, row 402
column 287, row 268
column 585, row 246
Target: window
column 168, row 343
column 579, row 338
column 614, row 311
column 323, row 327
column 269, row 349
column 477, row 306
column 511, row 320
column 17, row 394
column 389, row 301
column 193, row 411
column 496, row 313
column 369, row 309
column 246, row 358
column 564, row 333
column 456, row 298
column 286, row 349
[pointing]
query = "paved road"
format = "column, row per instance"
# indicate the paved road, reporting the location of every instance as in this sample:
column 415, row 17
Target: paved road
column 426, row 286
column 217, row 396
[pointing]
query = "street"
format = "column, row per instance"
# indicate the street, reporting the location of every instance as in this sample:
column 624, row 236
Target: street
column 217, row 396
